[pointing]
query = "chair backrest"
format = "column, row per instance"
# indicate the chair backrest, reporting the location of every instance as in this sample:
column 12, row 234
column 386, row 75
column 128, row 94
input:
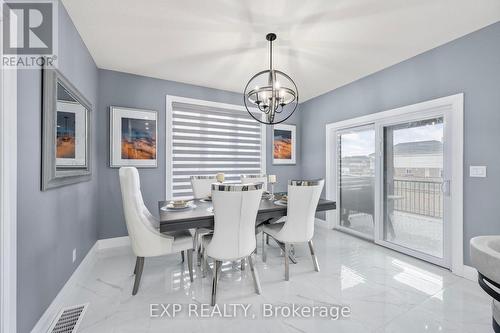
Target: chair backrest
column 141, row 225
column 201, row 186
column 303, row 198
column 260, row 178
column 235, row 210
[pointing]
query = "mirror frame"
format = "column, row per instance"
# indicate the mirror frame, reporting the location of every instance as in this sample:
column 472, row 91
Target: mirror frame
column 53, row 177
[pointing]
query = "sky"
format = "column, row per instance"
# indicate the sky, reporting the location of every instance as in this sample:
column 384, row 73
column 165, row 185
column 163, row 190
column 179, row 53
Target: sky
column 358, row 143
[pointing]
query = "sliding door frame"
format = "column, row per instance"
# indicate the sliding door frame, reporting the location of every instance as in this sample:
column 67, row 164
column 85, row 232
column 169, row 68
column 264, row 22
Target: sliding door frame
column 436, row 112
column 454, row 104
column 337, row 180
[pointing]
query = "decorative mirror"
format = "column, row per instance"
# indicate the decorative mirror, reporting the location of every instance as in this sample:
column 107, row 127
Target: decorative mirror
column 66, row 132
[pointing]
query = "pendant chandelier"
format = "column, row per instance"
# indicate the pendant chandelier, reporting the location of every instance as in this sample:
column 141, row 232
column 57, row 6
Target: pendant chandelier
column 272, row 92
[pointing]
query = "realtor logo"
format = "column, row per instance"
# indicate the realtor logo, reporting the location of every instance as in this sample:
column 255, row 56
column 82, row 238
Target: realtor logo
column 29, row 28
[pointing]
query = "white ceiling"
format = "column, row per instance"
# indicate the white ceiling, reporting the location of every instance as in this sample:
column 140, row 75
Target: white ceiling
column 221, row 43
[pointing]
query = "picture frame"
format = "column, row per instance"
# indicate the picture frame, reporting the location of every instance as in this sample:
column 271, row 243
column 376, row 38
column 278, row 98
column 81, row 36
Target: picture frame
column 133, row 137
column 284, row 144
column 71, row 130
column 66, row 134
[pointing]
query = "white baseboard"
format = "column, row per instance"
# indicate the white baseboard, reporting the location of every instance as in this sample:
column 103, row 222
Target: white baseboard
column 469, row 273
column 321, row 223
column 79, row 274
column 108, row 243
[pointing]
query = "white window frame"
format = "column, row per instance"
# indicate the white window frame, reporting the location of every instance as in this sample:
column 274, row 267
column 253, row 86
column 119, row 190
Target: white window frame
column 8, row 196
column 423, row 109
column 170, row 99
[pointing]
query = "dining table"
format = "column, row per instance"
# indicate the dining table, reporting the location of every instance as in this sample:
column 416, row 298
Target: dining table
column 201, row 215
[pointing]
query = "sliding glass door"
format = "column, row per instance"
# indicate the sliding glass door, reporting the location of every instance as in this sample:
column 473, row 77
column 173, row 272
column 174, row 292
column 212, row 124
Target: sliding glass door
column 392, row 183
column 413, row 200
column 356, row 179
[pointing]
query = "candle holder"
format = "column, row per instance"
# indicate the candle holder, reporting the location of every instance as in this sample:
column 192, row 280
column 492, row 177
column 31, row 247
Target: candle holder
column 271, row 180
column 272, row 192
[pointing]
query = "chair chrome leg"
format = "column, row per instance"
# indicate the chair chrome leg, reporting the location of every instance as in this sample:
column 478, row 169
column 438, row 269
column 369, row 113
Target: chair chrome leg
column 182, row 256
column 242, row 264
column 313, row 255
column 287, row 262
column 138, row 274
column 264, row 255
column 204, row 264
column 197, row 246
column 198, row 256
column 190, row 263
column 255, row 275
column 195, row 239
column 136, row 265
column 217, row 269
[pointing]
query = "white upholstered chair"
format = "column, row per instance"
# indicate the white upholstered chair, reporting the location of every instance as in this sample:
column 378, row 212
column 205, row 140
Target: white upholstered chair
column 256, row 178
column 259, row 178
column 143, row 228
column 303, row 198
column 235, row 211
column 202, row 186
column 202, row 189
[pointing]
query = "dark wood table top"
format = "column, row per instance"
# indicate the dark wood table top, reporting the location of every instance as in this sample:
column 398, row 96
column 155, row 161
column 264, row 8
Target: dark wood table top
column 202, row 217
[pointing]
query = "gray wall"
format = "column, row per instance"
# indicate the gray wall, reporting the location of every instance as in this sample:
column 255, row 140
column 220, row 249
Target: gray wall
column 470, row 65
column 50, row 224
column 128, row 90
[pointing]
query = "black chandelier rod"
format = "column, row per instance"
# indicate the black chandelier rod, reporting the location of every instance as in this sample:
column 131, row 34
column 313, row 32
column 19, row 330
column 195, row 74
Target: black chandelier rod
column 271, row 55
column 271, row 37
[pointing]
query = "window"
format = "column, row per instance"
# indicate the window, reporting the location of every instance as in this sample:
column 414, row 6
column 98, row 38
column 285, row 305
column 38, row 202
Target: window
column 204, row 138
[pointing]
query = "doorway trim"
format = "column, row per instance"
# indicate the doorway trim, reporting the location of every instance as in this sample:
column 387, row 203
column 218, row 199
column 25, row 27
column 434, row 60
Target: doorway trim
column 453, row 102
column 8, row 196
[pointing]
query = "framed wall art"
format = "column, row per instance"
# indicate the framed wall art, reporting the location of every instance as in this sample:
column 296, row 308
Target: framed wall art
column 284, row 144
column 133, row 137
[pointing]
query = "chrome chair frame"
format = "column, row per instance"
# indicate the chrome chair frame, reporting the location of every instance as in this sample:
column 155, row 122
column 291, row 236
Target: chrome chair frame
column 287, row 248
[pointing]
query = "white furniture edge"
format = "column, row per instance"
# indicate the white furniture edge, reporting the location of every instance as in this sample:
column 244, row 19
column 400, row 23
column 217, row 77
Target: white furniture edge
column 79, row 274
column 168, row 134
column 457, row 160
column 8, row 195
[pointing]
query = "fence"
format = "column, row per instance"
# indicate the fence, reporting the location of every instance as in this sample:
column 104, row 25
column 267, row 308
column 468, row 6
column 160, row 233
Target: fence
column 418, row 197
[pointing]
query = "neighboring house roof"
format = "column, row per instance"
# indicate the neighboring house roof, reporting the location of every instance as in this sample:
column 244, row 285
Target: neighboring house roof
column 419, row 148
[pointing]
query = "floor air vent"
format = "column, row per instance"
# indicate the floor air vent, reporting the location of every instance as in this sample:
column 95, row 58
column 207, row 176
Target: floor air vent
column 68, row 320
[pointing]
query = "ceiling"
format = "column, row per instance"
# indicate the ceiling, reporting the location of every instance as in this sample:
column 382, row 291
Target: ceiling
column 220, row 44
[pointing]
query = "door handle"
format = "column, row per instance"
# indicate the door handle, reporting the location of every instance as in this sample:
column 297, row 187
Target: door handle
column 445, row 187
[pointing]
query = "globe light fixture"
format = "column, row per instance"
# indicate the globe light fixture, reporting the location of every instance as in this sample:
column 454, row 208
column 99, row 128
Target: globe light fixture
column 272, row 92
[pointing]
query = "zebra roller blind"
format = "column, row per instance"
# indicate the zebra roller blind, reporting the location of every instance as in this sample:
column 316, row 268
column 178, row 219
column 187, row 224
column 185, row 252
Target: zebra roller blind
column 207, row 139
